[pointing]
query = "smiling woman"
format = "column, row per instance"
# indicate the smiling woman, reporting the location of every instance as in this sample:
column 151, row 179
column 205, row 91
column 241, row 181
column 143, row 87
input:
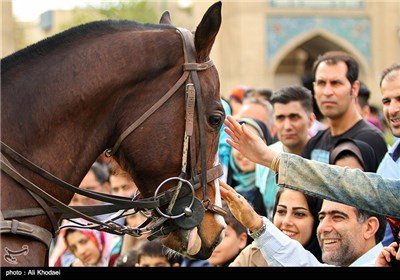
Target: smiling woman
column 296, row 215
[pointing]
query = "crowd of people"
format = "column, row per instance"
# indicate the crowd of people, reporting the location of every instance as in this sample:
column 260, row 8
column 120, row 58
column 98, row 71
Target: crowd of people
column 298, row 191
column 372, row 195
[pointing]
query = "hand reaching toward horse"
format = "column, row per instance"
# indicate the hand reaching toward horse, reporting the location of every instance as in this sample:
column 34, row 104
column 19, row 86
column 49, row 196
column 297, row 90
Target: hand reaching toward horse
column 248, row 143
column 241, row 208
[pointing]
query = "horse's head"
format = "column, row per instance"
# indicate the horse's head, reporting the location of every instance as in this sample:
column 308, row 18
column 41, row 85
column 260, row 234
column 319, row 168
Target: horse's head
column 172, row 153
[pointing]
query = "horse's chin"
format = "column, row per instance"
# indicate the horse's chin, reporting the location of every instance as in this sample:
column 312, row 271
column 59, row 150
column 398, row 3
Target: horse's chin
column 189, row 244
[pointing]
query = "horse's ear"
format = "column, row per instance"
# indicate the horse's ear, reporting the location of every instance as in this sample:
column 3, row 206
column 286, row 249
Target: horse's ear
column 207, row 31
column 165, row 18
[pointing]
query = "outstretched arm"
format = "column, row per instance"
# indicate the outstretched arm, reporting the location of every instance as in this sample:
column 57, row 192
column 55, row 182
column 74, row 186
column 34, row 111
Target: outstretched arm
column 368, row 191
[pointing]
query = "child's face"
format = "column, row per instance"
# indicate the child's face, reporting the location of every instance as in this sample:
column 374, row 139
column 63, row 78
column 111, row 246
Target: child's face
column 83, row 248
column 229, row 248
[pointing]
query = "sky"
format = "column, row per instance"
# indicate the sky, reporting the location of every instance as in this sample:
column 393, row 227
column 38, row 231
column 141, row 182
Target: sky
column 30, row 10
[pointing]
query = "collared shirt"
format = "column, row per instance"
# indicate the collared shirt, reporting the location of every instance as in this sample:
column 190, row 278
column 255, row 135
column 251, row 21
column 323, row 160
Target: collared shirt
column 390, row 164
column 369, row 258
column 280, row 250
column 363, row 190
column 395, row 153
column 390, row 168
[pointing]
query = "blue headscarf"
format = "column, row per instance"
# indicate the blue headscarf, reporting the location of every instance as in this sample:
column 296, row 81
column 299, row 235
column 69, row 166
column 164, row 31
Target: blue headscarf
column 245, row 181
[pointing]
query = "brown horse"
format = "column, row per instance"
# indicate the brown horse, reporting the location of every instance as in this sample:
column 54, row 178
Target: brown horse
column 147, row 94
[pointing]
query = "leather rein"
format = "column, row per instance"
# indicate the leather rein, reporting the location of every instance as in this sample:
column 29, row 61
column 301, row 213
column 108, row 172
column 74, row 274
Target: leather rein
column 184, row 209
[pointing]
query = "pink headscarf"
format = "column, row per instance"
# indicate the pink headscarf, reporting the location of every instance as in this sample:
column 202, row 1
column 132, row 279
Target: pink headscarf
column 103, row 240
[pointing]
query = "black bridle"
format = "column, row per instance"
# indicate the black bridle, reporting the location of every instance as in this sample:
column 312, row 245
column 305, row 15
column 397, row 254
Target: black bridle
column 182, row 207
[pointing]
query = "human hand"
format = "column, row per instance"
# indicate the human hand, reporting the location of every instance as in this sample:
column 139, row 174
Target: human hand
column 388, row 255
column 240, row 208
column 248, row 143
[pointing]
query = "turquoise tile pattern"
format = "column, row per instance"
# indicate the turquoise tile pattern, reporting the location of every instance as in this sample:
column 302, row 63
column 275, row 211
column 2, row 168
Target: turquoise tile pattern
column 355, row 30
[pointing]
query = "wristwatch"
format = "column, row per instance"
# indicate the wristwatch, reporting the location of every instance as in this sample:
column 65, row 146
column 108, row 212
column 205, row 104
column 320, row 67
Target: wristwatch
column 258, row 232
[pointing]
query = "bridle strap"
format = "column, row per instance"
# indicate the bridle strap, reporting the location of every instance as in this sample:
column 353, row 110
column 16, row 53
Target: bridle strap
column 122, row 201
column 190, row 58
column 148, row 113
column 35, row 189
column 188, row 66
column 34, row 231
column 94, row 210
column 48, row 211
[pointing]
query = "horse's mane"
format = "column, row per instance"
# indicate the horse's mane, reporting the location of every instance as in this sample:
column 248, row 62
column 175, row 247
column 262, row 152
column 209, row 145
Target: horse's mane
column 96, row 28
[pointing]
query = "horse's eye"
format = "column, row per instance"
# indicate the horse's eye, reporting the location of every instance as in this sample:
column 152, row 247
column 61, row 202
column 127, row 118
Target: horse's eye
column 215, row 121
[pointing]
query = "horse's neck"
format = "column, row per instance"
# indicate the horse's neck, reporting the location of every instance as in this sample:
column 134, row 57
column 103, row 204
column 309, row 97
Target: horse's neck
column 72, row 98
column 61, row 125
